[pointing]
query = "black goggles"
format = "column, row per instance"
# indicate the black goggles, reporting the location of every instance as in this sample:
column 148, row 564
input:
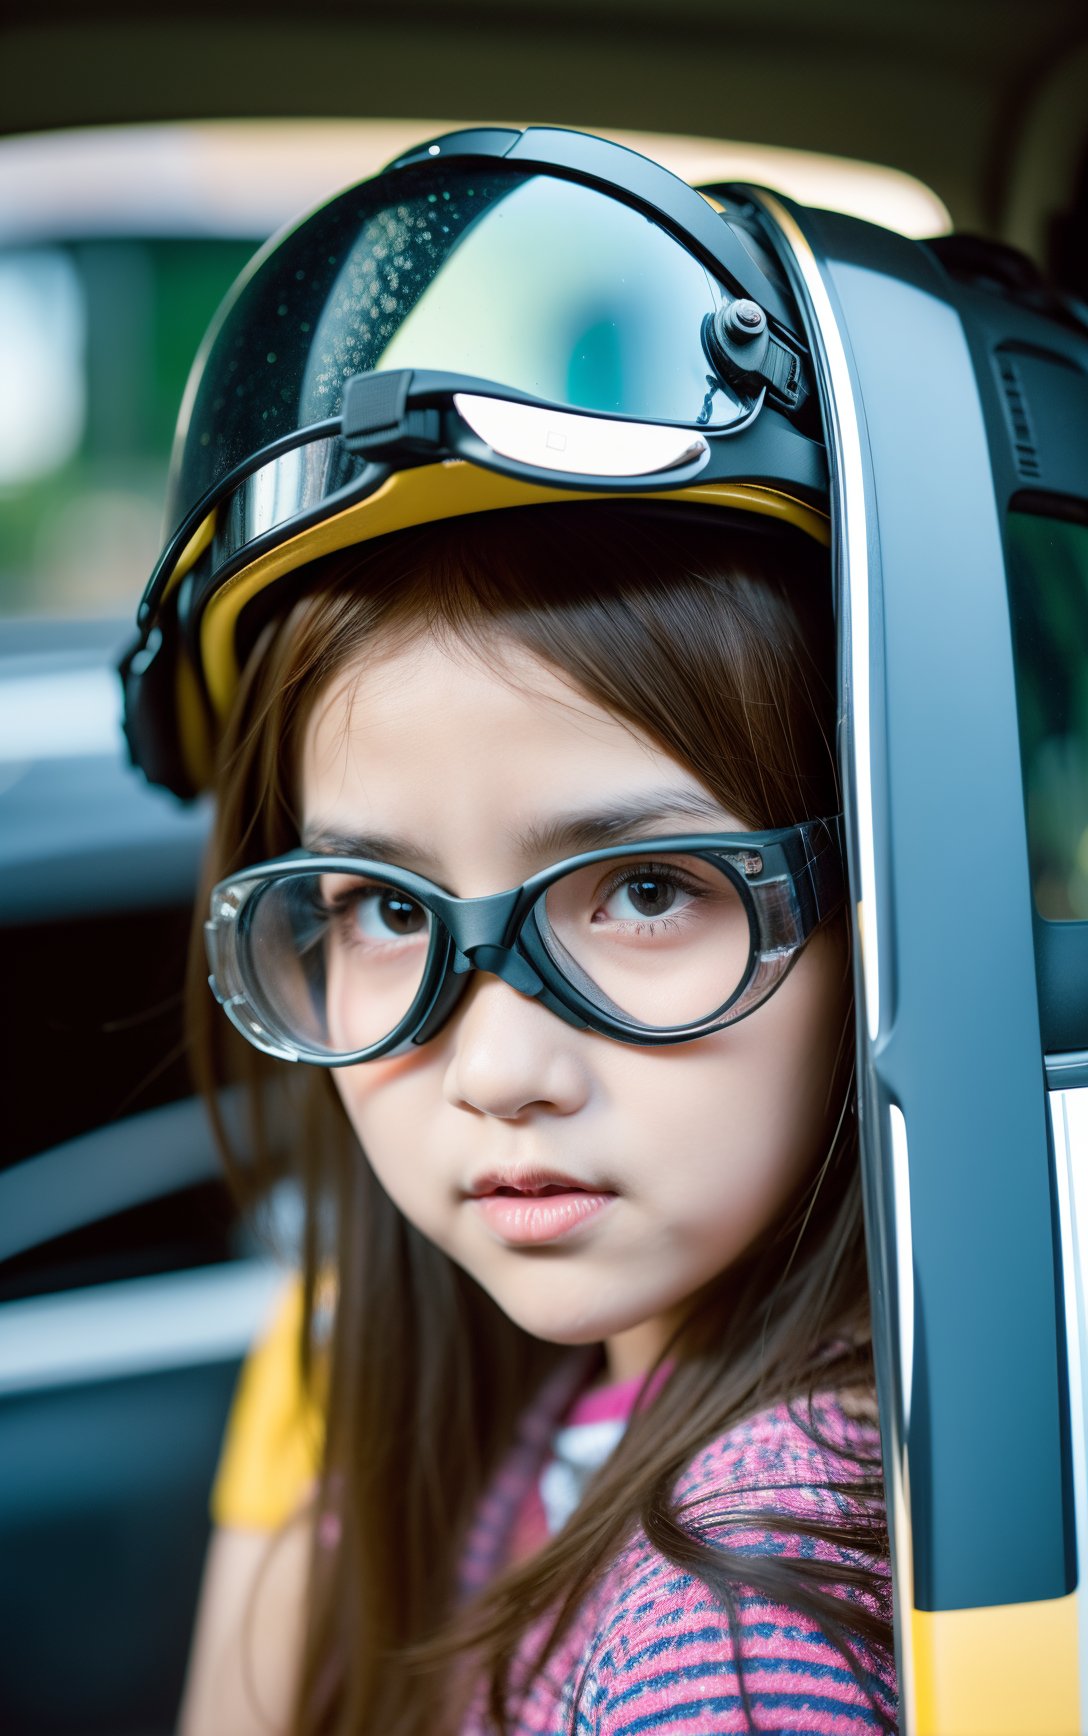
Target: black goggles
column 336, row 960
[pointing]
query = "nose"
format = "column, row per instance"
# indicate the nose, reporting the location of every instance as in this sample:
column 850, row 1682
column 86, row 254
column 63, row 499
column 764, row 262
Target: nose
column 509, row 1054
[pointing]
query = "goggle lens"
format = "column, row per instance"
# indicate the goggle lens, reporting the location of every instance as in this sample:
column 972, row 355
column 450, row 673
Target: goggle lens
column 657, row 944
column 334, row 961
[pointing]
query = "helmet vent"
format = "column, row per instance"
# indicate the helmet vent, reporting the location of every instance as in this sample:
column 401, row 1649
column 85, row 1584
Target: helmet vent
column 1016, row 409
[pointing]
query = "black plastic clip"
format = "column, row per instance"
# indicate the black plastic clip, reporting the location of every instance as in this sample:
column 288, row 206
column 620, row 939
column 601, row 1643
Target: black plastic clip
column 376, row 421
column 750, row 356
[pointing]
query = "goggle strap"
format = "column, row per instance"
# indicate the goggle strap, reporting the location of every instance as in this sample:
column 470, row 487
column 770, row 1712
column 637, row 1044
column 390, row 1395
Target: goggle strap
column 823, row 841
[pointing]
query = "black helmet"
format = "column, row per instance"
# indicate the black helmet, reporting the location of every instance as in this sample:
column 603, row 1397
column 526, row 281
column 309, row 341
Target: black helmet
column 497, row 319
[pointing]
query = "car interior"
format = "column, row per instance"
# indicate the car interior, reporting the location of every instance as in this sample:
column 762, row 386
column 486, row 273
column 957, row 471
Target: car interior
column 144, row 156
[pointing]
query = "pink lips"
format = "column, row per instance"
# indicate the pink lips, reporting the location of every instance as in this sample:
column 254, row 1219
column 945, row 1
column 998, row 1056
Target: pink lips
column 536, row 1206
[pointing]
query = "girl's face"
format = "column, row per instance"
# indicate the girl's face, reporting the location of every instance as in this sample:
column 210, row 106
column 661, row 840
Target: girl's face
column 698, row 1144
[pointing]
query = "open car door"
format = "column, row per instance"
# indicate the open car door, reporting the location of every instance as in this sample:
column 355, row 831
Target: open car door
column 956, row 404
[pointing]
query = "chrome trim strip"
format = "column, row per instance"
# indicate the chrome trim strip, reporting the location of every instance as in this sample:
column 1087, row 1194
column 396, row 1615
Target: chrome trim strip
column 848, row 483
column 1069, row 1127
column 897, row 1458
column 137, row 1326
column 904, row 1256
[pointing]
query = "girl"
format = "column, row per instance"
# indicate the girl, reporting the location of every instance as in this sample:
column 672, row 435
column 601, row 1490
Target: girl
column 585, row 1314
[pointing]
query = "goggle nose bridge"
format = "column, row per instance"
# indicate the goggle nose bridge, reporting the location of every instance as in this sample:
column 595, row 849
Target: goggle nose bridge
column 499, row 961
column 479, row 928
column 478, row 922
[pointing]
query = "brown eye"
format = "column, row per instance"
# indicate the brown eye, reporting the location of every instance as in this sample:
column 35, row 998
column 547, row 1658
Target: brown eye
column 371, row 912
column 642, row 897
column 388, row 914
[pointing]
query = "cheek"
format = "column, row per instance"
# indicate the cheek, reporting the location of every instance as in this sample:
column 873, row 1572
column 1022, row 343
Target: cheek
column 741, row 1118
column 387, row 1105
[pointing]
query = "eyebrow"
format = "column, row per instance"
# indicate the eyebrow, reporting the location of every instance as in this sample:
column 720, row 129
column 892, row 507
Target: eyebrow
column 545, row 841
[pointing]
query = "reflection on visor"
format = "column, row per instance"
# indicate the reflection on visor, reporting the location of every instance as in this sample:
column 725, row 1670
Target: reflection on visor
column 579, row 445
column 296, row 482
column 566, row 294
column 539, row 283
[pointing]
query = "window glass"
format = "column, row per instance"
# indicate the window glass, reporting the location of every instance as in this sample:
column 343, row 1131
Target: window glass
column 96, row 341
column 1048, row 580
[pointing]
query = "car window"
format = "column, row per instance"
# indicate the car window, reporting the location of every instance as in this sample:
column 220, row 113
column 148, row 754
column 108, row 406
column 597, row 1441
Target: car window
column 1048, row 577
column 96, row 339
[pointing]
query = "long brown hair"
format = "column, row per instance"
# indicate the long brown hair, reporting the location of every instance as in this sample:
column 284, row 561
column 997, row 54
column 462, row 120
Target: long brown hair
column 716, row 641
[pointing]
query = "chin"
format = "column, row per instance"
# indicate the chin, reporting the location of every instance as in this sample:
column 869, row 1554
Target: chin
column 570, row 1326
column 540, row 1324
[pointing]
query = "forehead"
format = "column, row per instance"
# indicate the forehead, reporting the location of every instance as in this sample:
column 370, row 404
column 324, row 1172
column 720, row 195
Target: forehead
column 459, row 703
column 464, row 751
column 457, row 661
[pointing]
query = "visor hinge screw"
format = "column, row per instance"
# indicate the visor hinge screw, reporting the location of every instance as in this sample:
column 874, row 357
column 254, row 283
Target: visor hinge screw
column 746, row 319
column 747, row 353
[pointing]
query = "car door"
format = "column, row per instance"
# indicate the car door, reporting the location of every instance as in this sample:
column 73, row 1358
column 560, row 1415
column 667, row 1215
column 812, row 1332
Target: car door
column 959, row 421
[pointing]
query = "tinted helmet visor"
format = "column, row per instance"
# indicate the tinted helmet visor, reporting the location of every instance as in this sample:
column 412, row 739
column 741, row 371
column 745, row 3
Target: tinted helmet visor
column 532, row 282
column 535, row 282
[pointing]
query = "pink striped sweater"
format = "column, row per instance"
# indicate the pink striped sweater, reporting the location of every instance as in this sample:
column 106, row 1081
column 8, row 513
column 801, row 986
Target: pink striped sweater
column 650, row 1649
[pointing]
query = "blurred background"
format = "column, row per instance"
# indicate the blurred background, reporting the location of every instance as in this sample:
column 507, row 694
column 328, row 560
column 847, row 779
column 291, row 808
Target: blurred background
column 143, row 157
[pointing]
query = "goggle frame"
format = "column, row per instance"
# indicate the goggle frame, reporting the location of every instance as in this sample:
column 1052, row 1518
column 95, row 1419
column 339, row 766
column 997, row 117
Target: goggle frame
column 790, row 880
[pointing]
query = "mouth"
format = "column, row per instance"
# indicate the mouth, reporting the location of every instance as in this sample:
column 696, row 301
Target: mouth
column 531, row 1185
column 525, row 1214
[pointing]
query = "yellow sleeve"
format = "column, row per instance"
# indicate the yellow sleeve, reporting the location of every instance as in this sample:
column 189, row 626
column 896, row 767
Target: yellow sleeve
column 272, row 1448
